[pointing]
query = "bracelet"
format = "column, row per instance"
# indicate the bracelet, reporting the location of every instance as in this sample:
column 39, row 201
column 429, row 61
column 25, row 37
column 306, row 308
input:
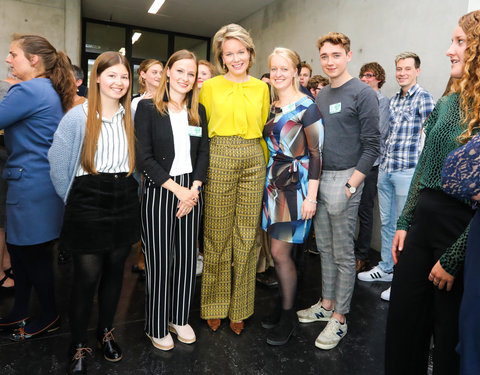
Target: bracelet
column 311, row 201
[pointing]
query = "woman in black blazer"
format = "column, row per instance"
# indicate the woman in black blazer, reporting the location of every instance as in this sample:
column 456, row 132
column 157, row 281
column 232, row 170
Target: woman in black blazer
column 172, row 154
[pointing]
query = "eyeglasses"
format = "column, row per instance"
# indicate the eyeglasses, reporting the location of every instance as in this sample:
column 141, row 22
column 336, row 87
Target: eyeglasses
column 367, row 75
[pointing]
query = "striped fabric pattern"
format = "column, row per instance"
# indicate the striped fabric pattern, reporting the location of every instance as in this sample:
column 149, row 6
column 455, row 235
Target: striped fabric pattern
column 169, row 245
column 112, row 146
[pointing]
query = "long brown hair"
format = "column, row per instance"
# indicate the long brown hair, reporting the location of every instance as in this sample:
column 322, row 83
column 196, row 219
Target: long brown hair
column 94, row 120
column 144, row 66
column 468, row 86
column 56, row 64
column 192, row 95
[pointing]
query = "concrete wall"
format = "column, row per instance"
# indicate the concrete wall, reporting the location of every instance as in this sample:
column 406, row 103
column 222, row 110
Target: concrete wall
column 378, row 30
column 57, row 20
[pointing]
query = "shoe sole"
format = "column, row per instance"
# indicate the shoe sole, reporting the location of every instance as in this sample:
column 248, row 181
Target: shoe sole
column 99, row 346
column 180, row 338
column 377, row 280
column 164, row 348
column 325, row 346
column 279, row 342
column 309, row 320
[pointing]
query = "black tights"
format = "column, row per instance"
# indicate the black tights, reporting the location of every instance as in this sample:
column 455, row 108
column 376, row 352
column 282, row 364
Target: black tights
column 32, row 266
column 286, row 271
column 88, row 270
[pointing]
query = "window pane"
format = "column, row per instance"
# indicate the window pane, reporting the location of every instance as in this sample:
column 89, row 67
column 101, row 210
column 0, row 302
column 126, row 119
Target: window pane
column 101, row 38
column 90, row 67
column 135, row 79
column 150, row 46
column 197, row 46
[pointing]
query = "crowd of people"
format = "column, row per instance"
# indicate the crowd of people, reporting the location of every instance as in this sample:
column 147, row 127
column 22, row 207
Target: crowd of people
column 207, row 157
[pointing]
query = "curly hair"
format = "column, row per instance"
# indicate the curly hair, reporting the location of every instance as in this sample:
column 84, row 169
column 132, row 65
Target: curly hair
column 468, row 86
column 316, row 80
column 376, row 69
column 334, row 38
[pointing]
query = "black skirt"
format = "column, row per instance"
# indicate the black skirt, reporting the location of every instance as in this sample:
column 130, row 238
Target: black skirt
column 102, row 213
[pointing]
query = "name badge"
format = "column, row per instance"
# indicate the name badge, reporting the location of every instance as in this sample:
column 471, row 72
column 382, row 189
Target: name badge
column 194, row 131
column 335, row 108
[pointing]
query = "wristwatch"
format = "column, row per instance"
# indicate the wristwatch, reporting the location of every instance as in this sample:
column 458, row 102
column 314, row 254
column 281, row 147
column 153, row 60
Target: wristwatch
column 351, row 189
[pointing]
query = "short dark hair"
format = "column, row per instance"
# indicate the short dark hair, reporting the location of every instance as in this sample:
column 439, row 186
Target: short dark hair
column 78, row 73
column 316, row 80
column 304, row 64
column 266, row 75
column 376, row 69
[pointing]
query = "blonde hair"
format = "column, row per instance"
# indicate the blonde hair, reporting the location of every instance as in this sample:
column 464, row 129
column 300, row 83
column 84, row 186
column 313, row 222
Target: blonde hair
column 94, row 121
column 191, row 97
column 294, row 59
column 144, row 66
column 408, row 55
column 468, row 86
column 232, row 31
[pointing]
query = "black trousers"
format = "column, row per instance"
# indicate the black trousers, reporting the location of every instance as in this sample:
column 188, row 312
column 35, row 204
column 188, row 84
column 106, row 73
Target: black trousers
column 417, row 308
column 365, row 215
column 32, row 266
column 104, row 269
column 170, row 248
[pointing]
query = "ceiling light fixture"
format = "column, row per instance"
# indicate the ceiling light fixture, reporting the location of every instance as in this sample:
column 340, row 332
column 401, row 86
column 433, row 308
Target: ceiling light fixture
column 135, row 37
column 157, row 4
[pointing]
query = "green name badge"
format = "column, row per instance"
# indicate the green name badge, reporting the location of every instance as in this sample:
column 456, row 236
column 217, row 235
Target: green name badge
column 194, row 131
column 335, row 108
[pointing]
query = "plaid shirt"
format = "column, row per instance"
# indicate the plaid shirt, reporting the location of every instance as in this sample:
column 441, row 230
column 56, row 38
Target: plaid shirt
column 407, row 115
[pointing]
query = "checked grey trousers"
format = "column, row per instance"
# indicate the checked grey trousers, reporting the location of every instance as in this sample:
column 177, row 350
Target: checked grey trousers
column 334, row 223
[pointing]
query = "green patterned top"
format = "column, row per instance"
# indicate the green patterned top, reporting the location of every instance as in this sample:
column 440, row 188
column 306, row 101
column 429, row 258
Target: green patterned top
column 442, row 129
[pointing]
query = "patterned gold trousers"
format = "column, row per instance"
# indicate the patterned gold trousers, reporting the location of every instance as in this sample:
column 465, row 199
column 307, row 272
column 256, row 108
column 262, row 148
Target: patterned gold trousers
column 233, row 198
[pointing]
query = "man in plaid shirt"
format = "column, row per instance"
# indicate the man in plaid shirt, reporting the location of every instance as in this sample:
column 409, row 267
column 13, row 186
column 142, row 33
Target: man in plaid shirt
column 409, row 109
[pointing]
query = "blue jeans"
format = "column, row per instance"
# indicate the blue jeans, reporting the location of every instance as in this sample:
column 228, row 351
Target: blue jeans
column 392, row 193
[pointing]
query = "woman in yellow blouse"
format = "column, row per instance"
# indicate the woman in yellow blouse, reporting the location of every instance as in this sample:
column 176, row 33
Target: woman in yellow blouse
column 237, row 108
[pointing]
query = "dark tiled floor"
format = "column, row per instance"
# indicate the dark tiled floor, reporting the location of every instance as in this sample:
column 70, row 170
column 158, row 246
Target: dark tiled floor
column 360, row 352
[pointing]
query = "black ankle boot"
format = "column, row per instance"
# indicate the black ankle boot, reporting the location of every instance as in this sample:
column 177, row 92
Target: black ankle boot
column 78, row 362
column 280, row 334
column 106, row 342
column 273, row 318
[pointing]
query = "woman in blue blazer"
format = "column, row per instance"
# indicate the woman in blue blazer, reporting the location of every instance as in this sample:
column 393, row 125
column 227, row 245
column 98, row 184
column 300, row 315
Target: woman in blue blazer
column 30, row 113
column 172, row 154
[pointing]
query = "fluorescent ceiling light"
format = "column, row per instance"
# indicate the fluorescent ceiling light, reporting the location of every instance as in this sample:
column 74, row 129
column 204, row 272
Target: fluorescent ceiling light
column 135, row 37
column 122, row 51
column 157, row 4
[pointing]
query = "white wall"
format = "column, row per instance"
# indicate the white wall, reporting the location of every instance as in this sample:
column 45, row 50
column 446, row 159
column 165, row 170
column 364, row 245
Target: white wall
column 378, row 29
column 57, row 20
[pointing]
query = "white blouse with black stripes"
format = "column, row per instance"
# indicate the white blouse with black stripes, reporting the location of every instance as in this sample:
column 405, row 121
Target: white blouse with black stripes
column 112, row 146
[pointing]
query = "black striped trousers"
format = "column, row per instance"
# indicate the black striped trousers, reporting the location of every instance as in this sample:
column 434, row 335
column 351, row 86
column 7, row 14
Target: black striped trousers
column 169, row 245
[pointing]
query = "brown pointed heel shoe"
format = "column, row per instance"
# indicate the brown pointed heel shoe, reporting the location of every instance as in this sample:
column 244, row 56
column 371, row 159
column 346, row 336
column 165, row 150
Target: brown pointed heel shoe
column 213, row 324
column 237, row 327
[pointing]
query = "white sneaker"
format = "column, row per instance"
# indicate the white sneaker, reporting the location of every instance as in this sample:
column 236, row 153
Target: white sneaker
column 331, row 334
column 165, row 343
column 199, row 265
column 386, row 294
column 375, row 274
column 315, row 313
column 184, row 333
